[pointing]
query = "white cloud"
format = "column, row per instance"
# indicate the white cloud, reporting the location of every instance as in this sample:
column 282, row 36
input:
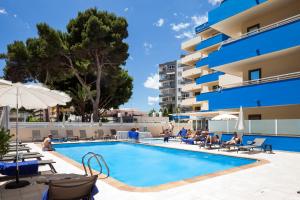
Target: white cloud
column 130, row 58
column 15, row 16
column 152, row 82
column 148, row 46
column 180, row 26
column 198, row 20
column 3, row 11
column 159, row 22
column 126, row 9
column 175, row 14
column 185, row 34
column 214, row 2
column 152, row 100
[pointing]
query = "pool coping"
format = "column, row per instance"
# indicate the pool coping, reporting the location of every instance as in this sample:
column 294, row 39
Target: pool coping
column 122, row 186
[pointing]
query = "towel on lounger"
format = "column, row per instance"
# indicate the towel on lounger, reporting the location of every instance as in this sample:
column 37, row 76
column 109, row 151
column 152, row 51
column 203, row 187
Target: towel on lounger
column 25, row 168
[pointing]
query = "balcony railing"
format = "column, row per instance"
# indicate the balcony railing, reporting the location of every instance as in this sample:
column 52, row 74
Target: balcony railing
column 263, row 29
column 265, row 80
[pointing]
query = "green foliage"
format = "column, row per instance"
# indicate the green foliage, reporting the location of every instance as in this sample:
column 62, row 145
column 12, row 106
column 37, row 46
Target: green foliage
column 84, row 61
column 34, row 119
column 4, row 141
column 151, row 112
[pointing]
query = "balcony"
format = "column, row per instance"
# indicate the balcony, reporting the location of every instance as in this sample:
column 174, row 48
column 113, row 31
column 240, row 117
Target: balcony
column 191, row 87
column 167, row 95
column 230, row 8
column 209, row 78
column 191, row 73
column 203, row 62
column 167, row 86
column 272, row 91
column 167, row 78
column 188, row 101
column 191, row 44
column 202, row 27
column 217, row 39
column 191, row 58
column 273, row 38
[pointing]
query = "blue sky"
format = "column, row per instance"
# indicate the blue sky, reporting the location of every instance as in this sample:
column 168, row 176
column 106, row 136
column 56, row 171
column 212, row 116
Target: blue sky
column 156, row 30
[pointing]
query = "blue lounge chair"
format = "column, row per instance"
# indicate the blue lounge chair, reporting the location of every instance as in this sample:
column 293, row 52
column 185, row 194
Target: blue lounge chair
column 256, row 144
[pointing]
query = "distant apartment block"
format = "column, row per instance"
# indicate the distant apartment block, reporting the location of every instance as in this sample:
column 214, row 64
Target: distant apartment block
column 247, row 54
column 171, row 82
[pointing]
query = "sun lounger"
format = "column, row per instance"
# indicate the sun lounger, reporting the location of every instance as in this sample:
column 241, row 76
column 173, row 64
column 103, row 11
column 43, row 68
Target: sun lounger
column 83, row 135
column 210, row 145
column 74, row 188
column 28, row 167
column 25, row 168
column 70, row 135
column 13, row 149
column 224, row 145
column 256, row 144
column 36, row 136
column 113, row 133
column 99, row 134
column 188, row 140
column 55, row 136
column 21, row 157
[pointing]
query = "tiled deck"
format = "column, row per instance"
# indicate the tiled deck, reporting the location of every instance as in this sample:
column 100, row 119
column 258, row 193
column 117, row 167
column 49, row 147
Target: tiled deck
column 276, row 180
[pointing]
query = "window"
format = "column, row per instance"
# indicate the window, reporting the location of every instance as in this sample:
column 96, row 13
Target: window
column 254, row 74
column 215, row 87
column 198, row 108
column 254, row 117
column 197, row 93
column 253, row 28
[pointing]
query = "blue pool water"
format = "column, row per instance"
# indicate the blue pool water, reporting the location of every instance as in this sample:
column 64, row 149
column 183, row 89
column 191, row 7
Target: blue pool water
column 141, row 165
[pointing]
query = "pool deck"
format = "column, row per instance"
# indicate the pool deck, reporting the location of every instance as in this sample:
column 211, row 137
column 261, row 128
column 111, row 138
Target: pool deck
column 277, row 180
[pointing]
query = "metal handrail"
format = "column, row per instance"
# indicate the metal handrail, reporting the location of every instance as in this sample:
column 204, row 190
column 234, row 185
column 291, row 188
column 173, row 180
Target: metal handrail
column 265, row 80
column 96, row 156
column 263, row 29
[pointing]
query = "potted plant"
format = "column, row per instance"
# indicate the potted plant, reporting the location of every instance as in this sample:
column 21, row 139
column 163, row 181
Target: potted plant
column 4, row 141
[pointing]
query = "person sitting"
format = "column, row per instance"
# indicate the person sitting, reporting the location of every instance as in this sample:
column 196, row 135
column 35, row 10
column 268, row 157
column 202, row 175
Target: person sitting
column 47, row 145
column 190, row 133
column 166, row 135
column 234, row 140
column 182, row 133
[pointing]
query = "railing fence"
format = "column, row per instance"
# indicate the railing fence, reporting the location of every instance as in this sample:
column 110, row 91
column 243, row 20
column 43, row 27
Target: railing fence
column 268, row 127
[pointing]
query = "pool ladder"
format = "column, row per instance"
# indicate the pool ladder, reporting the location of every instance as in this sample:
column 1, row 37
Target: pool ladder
column 99, row 159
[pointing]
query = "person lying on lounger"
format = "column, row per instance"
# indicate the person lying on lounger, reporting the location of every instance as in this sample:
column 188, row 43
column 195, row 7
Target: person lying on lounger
column 234, row 140
column 47, row 145
column 212, row 139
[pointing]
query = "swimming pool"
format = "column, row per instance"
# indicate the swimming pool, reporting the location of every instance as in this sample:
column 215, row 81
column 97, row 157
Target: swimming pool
column 146, row 166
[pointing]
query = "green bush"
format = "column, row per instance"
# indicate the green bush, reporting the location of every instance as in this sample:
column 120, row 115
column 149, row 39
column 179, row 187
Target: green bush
column 4, row 141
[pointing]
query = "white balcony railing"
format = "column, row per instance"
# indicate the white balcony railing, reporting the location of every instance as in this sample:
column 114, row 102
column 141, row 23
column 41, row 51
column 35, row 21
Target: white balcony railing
column 265, row 80
column 265, row 28
column 191, row 58
column 191, row 73
column 190, row 44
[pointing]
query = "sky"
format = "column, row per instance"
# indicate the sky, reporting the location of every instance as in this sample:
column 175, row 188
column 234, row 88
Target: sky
column 156, row 30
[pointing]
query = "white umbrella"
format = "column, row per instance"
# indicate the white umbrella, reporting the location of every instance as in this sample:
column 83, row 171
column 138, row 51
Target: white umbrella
column 240, row 125
column 64, row 119
column 226, row 117
column 30, row 97
column 4, row 119
column 92, row 119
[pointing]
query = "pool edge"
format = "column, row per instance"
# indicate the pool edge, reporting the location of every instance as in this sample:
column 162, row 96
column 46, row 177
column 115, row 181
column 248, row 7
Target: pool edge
column 122, row 186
